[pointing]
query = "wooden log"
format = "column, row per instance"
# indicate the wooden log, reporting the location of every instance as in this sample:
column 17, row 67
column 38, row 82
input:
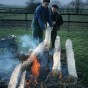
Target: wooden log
column 15, row 77
column 47, row 38
column 70, row 59
column 38, row 50
column 56, row 58
column 57, row 43
column 22, row 67
column 22, row 81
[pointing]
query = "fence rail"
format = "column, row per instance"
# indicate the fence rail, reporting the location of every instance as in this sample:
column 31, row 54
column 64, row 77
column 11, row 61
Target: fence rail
column 27, row 13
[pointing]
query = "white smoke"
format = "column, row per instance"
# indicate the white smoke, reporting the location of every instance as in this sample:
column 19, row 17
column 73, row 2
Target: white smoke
column 7, row 59
column 26, row 43
column 7, row 64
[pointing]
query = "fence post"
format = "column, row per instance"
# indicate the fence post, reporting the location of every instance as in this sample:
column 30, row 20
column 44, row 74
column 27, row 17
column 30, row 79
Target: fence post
column 68, row 22
column 26, row 21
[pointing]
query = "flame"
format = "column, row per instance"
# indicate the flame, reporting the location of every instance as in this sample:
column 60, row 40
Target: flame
column 35, row 67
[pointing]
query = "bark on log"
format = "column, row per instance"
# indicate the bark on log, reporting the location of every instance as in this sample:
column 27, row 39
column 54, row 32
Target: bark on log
column 15, row 77
column 22, row 81
column 57, row 43
column 38, row 50
column 70, row 59
column 56, row 58
column 47, row 38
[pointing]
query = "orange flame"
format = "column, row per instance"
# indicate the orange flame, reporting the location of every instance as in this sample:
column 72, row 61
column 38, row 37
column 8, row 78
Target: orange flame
column 35, row 67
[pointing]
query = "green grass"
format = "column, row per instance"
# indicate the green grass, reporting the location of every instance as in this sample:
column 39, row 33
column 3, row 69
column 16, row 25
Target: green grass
column 80, row 46
column 76, row 18
column 13, row 31
column 16, row 16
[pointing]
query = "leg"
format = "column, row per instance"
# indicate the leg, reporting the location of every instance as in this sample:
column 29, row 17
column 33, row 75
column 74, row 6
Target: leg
column 35, row 37
column 53, row 37
column 35, row 32
column 40, row 35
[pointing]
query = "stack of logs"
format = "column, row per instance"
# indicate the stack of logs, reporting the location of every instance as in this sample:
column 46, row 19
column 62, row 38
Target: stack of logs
column 17, row 79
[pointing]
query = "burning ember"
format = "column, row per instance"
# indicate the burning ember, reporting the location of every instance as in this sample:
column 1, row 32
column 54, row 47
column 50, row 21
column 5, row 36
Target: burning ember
column 40, row 75
column 35, row 68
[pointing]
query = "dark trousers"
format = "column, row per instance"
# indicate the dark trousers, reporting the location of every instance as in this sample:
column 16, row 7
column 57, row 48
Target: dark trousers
column 37, row 32
column 38, row 35
column 53, row 37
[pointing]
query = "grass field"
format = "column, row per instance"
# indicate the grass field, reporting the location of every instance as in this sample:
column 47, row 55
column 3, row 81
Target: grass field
column 80, row 46
column 16, row 16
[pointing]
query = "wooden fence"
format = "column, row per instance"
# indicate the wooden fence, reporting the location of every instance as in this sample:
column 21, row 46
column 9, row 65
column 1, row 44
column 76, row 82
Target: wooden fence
column 26, row 20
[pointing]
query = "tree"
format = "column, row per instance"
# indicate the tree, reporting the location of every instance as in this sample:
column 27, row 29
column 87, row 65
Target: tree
column 86, row 4
column 56, row 3
column 31, row 5
column 77, row 5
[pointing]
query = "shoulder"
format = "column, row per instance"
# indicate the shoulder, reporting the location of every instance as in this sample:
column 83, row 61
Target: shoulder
column 39, row 8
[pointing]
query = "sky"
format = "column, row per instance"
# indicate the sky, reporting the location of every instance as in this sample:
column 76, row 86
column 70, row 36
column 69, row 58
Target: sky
column 22, row 2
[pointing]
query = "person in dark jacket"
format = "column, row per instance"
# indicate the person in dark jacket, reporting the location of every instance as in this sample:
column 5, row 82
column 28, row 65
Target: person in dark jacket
column 57, row 22
column 41, row 17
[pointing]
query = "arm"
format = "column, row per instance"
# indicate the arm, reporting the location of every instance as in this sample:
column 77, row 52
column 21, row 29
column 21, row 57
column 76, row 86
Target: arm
column 59, row 20
column 39, row 18
column 48, row 17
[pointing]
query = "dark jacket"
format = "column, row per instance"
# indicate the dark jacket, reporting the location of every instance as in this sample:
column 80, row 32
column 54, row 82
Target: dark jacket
column 42, row 15
column 58, row 18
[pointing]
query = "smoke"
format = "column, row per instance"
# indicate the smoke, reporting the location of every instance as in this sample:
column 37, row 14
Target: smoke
column 27, row 43
column 8, row 60
column 7, row 64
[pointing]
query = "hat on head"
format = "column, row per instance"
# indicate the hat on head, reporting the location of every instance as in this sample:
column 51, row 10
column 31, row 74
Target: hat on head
column 48, row 1
column 55, row 6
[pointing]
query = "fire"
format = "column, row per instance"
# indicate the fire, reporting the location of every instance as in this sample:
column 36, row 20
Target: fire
column 35, row 67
